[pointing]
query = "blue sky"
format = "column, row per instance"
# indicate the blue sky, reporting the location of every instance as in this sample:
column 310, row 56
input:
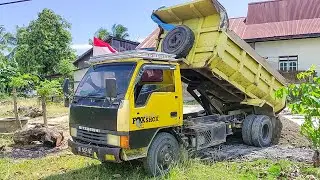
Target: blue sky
column 87, row 16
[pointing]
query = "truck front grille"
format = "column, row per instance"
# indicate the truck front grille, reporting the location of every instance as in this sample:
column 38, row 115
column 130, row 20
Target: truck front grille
column 92, row 138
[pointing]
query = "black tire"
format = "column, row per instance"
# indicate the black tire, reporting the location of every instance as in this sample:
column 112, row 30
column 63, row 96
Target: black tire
column 246, row 129
column 178, row 41
column 262, row 131
column 162, row 154
column 277, row 128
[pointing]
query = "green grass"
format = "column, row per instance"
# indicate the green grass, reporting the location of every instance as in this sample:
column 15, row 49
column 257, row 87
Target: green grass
column 53, row 109
column 68, row 166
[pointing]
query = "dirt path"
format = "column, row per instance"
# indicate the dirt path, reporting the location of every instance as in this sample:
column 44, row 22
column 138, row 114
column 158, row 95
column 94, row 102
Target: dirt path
column 237, row 151
column 59, row 122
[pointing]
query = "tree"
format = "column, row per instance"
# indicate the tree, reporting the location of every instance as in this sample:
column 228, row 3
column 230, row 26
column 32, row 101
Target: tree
column 65, row 68
column 305, row 99
column 43, row 44
column 117, row 30
column 17, row 82
column 46, row 89
column 7, row 40
column 101, row 33
column 8, row 70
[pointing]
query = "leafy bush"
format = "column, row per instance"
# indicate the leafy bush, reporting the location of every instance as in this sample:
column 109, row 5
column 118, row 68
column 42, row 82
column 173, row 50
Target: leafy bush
column 306, row 101
column 49, row 88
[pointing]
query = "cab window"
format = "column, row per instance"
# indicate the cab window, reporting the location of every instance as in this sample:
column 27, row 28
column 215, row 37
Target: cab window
column 151, row 81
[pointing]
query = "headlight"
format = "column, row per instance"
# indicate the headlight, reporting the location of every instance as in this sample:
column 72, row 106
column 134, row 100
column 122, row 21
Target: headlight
column 73, row 132
column 113, row 140
column 119, row 141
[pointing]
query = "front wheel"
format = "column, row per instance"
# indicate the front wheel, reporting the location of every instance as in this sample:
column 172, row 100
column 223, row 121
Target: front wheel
column 162, row 154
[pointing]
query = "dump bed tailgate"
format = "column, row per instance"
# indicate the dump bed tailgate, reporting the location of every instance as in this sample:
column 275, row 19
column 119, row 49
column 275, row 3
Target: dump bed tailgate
column 222, row 52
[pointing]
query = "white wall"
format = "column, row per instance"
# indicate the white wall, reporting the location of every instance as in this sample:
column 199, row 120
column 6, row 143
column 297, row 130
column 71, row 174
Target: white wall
column 308, row 51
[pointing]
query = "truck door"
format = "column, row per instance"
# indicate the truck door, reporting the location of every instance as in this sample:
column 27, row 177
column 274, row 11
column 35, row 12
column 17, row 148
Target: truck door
column 157, row 98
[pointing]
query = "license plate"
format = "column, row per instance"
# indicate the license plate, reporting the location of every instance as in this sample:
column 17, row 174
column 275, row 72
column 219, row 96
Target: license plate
column 85, row 151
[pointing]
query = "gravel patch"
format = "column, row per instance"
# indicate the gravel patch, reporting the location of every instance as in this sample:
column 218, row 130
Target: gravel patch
column 235, row 152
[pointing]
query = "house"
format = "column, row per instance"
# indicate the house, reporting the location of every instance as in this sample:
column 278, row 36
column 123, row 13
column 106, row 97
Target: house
column 117, row 43
column 285, row 32
column 81, row 65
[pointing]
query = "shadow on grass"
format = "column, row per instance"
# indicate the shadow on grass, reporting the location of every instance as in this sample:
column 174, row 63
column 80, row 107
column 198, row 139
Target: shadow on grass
column 125, row 170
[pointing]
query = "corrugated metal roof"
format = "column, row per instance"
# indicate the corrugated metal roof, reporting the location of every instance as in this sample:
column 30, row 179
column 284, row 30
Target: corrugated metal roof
column 275, row 29
column 282, row 10
column 150, row 41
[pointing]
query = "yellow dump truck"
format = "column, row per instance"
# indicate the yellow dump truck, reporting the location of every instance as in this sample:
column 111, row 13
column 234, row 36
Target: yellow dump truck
column 130, row 105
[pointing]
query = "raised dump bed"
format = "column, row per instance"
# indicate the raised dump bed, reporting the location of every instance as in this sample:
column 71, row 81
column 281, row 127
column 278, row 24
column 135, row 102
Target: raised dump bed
column 220, row 55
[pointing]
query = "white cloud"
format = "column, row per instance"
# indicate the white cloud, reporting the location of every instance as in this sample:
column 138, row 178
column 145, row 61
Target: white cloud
column 81, row 48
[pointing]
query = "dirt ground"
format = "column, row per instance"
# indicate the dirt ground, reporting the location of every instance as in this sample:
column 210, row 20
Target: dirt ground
column 37, row 150
column 292, row 145
column 290, row 135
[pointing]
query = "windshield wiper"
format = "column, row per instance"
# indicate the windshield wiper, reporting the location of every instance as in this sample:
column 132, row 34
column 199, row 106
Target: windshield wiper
column 100, row 98
column 86, row 97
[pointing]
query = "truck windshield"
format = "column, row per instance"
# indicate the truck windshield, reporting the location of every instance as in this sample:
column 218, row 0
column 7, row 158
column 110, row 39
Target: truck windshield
column 93, row 83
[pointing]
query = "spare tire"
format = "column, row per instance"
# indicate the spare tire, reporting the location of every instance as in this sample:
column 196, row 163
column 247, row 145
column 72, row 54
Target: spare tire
column 178, row 41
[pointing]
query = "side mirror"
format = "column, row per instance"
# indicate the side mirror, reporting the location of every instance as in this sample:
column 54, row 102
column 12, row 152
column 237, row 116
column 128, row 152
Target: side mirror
column 65, row 87
column 111, row 87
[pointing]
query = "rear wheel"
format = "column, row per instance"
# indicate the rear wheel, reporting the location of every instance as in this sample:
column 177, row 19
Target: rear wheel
column 246, row 129
column 262, row 131
column 258, row 130
column 162, row 154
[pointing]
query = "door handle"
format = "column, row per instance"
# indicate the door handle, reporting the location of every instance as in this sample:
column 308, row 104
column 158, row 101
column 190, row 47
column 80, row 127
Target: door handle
column 173, row 114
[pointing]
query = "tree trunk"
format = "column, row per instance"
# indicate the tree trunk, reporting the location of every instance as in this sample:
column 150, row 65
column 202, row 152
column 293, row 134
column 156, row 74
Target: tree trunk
column 44, row 109
column 66, row 101
column 316, row 159
column 15, row 106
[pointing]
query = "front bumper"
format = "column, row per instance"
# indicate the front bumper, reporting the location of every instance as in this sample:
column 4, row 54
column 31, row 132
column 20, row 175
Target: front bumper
column 102, row 153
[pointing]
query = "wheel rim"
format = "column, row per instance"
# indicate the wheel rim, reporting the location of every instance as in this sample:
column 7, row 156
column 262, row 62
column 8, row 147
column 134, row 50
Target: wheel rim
column 265, row 132
column 175, row 40
column 165, row 157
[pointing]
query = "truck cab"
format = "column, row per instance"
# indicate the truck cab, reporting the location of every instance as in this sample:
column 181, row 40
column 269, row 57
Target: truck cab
column 121, row 104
